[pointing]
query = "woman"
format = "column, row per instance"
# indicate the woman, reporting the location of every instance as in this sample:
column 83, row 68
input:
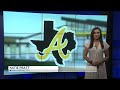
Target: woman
column 98, row 54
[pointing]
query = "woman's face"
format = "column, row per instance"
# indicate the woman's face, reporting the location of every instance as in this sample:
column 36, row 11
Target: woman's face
column 96, row 34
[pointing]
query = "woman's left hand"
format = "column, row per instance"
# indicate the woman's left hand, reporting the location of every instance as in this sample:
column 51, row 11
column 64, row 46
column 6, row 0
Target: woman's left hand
column 98, row 63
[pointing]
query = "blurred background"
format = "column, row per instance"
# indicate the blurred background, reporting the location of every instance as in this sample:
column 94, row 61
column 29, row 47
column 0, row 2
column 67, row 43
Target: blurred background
column 21, row 27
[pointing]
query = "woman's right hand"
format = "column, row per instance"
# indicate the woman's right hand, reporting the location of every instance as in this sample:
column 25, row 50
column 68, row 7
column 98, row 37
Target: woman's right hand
column 90, row 61
column 96, row 63
column 93, row 63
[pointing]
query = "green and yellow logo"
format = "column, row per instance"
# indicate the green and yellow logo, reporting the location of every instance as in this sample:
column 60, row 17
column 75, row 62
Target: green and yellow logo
column 59, row 43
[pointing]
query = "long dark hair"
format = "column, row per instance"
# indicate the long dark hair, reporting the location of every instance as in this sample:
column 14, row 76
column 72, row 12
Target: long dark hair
column 92, row 37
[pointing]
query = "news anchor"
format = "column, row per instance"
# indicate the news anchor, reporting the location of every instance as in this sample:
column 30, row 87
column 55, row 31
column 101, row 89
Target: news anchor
column 98, row 54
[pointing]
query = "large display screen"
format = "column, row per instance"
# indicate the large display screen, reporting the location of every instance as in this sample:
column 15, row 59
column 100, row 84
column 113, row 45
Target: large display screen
column 47, row 42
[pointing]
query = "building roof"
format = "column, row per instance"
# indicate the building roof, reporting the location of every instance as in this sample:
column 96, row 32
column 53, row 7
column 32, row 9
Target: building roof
column 88, row 21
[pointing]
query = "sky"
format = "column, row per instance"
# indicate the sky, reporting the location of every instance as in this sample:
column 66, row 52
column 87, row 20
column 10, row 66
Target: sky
column 25, row 23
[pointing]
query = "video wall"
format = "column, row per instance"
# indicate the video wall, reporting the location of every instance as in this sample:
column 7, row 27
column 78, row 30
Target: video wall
column 47, row 42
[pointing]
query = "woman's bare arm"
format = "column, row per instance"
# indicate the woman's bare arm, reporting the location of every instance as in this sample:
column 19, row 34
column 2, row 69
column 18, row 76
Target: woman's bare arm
column 106, row 56
column 85, row 55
